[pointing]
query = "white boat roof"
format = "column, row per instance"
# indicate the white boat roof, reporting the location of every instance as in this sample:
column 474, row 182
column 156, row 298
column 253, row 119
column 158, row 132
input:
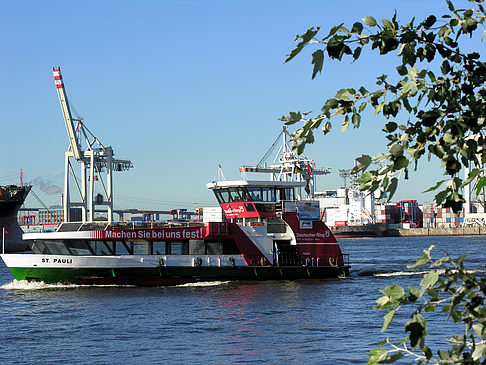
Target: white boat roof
column 255, row 183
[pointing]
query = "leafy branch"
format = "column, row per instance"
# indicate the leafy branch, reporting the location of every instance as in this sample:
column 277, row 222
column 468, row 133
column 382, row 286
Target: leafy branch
column 438, row 110
column 458, row 293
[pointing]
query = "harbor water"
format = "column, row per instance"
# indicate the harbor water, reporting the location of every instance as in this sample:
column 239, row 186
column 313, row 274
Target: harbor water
column 306, row 321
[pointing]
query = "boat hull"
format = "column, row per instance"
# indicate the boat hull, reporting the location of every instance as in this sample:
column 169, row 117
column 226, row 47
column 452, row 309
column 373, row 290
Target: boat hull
column 64, row 270
column 173, row 276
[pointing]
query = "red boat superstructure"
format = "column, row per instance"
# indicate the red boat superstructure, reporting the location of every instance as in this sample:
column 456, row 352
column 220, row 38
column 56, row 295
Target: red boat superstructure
column 284, row 229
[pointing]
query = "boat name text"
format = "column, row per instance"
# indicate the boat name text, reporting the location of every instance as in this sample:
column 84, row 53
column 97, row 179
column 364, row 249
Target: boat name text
column 48, row 260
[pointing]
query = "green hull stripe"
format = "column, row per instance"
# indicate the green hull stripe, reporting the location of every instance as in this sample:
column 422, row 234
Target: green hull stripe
column 169, row 275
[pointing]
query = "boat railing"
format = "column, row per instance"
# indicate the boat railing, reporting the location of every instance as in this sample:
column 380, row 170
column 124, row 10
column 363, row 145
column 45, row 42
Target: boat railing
column 119, row 226
column 327, row 260
column 218, row 228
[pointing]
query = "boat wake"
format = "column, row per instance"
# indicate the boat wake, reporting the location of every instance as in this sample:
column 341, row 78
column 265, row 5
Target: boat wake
column 40, row 285
column 400, row 273
column 203, row 283
column 31, row 285
column 410, row 273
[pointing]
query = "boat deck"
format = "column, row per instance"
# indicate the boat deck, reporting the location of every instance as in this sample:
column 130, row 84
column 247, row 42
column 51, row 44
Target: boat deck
column 116, row 226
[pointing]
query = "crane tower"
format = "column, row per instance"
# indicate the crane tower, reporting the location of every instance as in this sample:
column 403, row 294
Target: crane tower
column 287, row 165
column 96, row 163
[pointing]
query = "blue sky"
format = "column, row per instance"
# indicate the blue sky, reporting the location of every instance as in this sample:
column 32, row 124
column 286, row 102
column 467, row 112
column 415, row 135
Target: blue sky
column 179, row 87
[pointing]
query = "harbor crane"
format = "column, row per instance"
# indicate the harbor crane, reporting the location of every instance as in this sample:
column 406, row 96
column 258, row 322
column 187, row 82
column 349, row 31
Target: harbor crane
column 96, row 163
column 287, row 165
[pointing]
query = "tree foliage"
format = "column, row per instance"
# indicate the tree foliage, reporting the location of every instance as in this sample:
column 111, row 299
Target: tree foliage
column 448, row 287
column 434, row 101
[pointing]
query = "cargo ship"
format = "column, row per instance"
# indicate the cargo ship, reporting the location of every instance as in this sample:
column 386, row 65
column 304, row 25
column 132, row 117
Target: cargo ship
column 11, row 199
column 265, row 233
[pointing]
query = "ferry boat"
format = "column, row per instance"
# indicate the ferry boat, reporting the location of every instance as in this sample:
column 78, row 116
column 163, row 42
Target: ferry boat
column 265, row 229
column 264, row 232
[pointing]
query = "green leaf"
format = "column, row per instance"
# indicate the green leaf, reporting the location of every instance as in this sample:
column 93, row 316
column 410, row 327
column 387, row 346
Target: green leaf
column 390, row 127
column 387, row 319
column 416, row 327
column 392, row 358
column 326, row 128
column 345, row 124
column 472, row 174
column 400, row 163
column 356, row 53
column 356, row 120
column 428, row 281
column 357, row 28
column 306, row 38
column 388, row 24
column 396, row 150
column 363, row 162
column 292, row 118
column 436, row 186
column 430, row 21
column 343, row 94
column 369, row 20
column 421, row 260
column 480, row 184
column 479, row 351
column 392, row 187
column 379, row 108
column 395, row 292
column 402, row 70
column 376, row 356
column 317, row 61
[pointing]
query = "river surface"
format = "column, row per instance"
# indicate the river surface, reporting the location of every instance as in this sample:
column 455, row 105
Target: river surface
column 273, row 322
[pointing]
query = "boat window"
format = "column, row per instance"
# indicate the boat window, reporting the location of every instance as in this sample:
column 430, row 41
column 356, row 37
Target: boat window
column 268, row 194
column 225, row 196
column 214, row 248
column 179, row 248
column 285, row 194
column 78, row 247
column 265, row 208
column 140, row 247
column 122, row 248
column 99, row 248
column 245, row 195
column 249, row 207
column 158, row 248
column 38, row 247
column 196, row 247
column 235, row 195
column 57, row 247
column 255, row 194
column 230, row 248
column 219, row 197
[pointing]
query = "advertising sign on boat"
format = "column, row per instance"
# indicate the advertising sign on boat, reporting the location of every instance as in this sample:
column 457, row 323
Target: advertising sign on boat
column 153, row 234
column 239, row 210
column 309, row 210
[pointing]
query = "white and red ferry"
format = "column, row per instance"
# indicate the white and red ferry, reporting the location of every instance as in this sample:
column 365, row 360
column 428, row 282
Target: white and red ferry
column 265, row 232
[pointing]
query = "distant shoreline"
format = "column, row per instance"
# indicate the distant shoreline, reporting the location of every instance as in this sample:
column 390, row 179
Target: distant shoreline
column 439, row 231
